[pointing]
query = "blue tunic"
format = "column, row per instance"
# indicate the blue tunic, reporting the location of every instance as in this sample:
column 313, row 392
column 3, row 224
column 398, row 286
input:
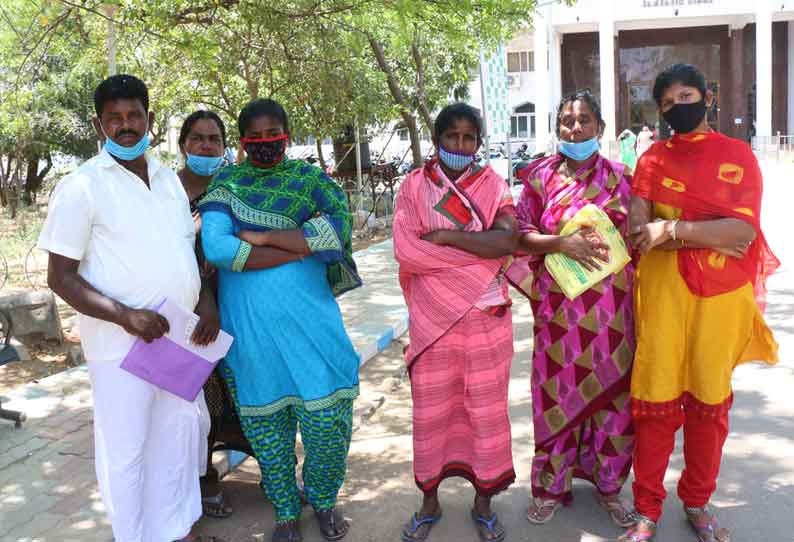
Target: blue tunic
column 290, row 344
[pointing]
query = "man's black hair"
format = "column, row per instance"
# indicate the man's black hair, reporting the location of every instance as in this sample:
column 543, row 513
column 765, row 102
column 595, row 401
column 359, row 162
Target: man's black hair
column 120, row 86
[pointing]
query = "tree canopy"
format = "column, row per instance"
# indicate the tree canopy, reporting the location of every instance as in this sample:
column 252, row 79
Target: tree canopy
column 330, row 62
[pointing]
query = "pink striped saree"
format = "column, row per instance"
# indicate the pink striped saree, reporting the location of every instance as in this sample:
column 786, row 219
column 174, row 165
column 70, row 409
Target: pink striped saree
column 460, row 352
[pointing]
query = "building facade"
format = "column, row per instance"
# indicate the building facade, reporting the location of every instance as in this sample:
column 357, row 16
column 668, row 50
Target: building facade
column 617, row 47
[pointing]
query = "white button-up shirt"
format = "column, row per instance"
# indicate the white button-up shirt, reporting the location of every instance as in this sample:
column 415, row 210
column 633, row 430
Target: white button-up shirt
column 134, row 244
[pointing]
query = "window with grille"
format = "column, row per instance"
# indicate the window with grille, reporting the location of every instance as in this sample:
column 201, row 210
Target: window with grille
column 520, row 61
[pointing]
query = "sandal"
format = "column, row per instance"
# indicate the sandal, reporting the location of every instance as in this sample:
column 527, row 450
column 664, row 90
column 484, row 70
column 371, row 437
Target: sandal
column 216, row 507
column 487, row 527
column 286, row 531
column 706, row 526
column 411, row 532
column 333, row 525
column 620, row 513
column 541, row 511
column 643, row 531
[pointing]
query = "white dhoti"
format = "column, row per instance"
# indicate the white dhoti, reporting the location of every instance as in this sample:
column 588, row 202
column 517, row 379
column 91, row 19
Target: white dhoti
column 151, row 448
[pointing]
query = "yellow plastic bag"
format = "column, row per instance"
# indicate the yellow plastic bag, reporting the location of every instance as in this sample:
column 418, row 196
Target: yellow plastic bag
column 569, row 274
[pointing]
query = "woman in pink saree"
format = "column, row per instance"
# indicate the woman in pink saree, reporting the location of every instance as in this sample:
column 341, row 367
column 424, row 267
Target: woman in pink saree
column 583, row 348
column 454, row 226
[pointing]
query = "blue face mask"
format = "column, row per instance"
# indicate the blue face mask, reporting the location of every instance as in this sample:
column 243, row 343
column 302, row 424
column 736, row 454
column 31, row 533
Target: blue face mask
column 126, row 153
column 454, row 161
column 579, row 151
column 204, row 166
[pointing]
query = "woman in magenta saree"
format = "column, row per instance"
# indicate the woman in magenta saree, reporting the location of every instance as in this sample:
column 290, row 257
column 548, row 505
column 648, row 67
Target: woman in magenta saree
column 583, row 348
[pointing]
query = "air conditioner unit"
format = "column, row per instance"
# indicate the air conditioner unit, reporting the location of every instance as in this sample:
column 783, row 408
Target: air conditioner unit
column 513, row 80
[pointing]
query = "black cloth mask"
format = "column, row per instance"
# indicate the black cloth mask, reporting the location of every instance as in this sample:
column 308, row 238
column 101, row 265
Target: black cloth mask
column 683, row 118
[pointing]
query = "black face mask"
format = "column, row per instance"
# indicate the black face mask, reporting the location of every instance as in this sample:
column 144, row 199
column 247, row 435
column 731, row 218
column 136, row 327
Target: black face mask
column 683, row 118
column 265, row 151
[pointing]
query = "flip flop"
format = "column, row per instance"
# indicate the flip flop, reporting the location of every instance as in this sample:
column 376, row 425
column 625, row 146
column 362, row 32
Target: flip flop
column 619, row 512
column 541, row 511
column 493, row 526
column 409, row 534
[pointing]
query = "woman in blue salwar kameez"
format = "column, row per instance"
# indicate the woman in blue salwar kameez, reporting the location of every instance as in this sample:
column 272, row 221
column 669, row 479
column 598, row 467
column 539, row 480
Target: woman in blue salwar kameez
column 279, row 232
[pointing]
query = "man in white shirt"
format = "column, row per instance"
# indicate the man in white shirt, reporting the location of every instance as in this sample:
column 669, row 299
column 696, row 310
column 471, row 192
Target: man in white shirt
column 120, row 239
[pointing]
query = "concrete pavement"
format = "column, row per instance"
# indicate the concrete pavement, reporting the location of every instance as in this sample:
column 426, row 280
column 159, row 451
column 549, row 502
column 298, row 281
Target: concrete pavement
column 48, row 491
column 754, row 499
column 47, row 482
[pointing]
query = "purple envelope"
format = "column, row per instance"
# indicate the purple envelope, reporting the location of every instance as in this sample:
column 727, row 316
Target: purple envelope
column 173, row 362
column 169, row 366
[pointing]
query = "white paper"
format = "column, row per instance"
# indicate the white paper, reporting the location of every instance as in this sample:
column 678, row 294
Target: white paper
column 182, row 323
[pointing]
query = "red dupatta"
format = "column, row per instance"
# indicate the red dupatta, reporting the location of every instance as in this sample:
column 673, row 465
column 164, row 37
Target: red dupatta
column 710, row 176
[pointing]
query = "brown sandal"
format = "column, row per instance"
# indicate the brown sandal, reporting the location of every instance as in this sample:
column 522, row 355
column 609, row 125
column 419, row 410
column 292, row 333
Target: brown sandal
column 541, row 511
column 621, row 514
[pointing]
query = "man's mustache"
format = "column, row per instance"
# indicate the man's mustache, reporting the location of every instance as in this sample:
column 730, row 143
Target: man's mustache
column 126, row 133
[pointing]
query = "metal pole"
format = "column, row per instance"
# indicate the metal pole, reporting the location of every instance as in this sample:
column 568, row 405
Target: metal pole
column 509, row 162
column 484, row 110
column 359, row 173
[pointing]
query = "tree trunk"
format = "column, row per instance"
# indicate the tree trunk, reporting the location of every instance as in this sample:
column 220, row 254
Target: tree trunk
column 319, row 143
column 4, row 182
column 35, row 178
column 394, row 87
column 416, row 141
column 15, row 190
column 421, row 96
column 158, row 136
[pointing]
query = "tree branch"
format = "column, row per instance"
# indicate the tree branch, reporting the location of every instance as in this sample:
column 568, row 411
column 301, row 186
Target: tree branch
column 421, row 96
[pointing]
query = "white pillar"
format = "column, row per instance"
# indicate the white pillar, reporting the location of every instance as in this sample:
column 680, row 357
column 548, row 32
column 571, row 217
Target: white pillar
column 763, row 68
column 790, row 87
column 606, row 47
column 542, row 86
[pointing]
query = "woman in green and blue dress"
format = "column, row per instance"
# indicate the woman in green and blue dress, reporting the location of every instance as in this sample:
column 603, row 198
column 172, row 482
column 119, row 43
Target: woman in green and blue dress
column 280, row 233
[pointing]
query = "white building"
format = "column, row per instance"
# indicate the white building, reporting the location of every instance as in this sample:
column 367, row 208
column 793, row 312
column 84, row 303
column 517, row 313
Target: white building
column 617, row 47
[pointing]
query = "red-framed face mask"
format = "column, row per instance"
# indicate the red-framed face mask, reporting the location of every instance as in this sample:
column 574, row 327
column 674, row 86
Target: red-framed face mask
column 265, row 151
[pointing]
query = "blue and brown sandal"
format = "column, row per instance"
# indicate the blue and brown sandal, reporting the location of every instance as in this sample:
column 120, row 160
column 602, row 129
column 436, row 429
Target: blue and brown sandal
column 643, row 531
column 419, row 528
column 488, row 529
column 706, row 526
